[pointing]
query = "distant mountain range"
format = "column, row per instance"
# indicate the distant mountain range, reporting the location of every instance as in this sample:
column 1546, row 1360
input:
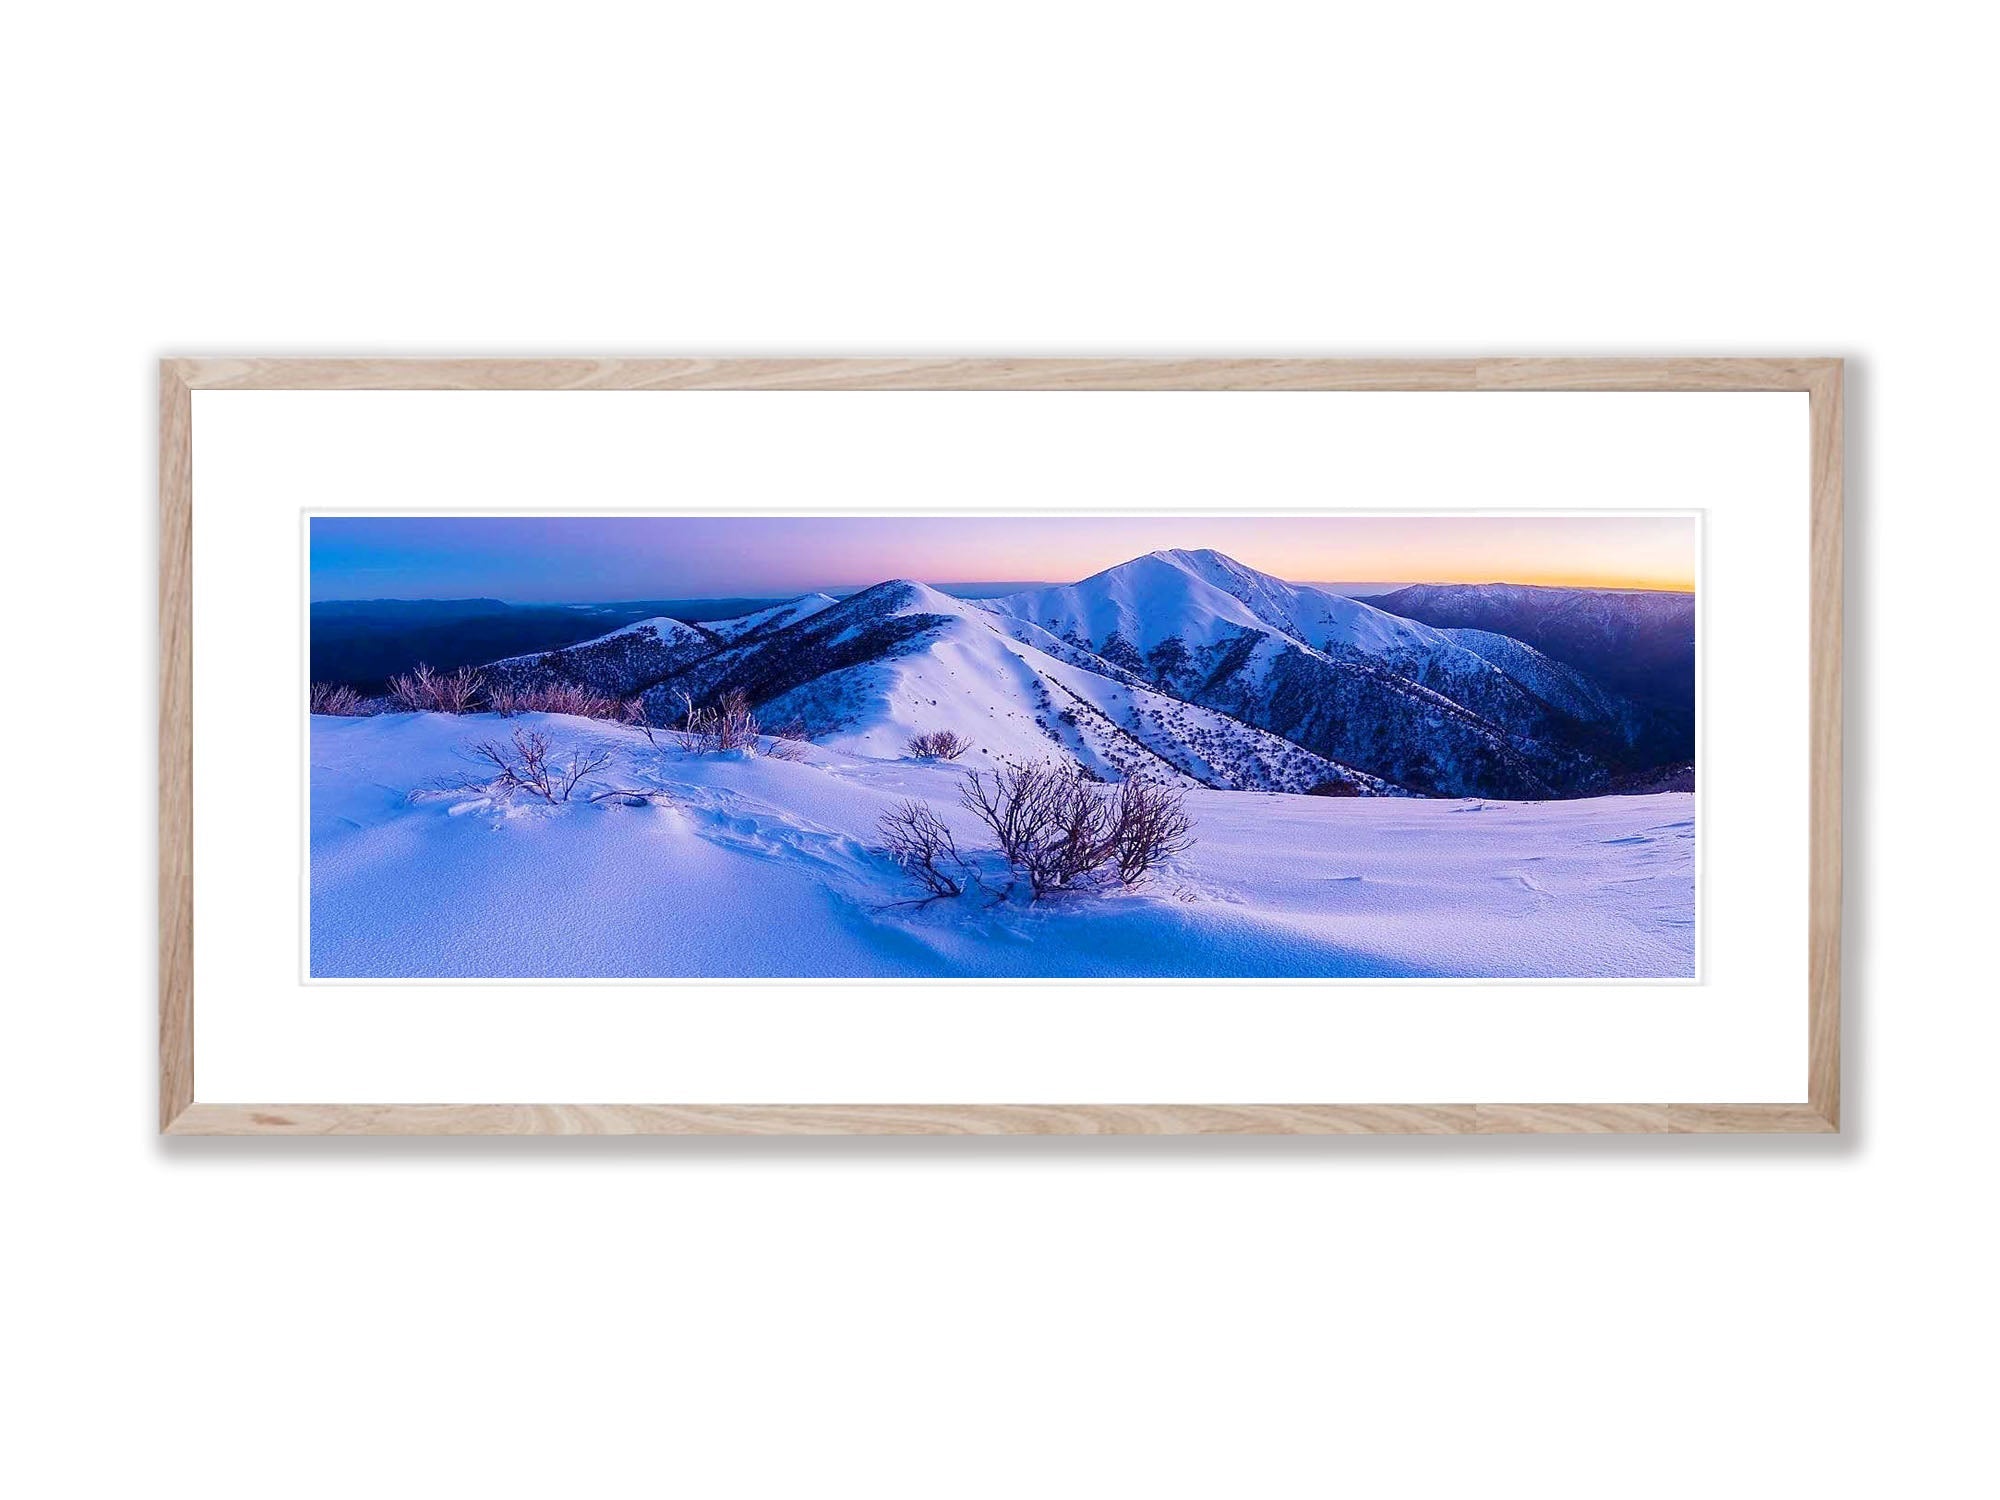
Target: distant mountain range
column 363, row 642
column 1190, row 666
column 1639, row 646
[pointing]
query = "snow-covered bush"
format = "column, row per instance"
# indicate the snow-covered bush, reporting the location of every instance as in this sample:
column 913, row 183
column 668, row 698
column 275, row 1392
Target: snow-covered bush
column 792, row 729
column 337, row 699
column 637, row 715
column 728, row 725
column 788, row 740
column 426, row 691
column 938, row 744
column 917, row 840
column 788, row 743
column 527, row 767
column 553, row 698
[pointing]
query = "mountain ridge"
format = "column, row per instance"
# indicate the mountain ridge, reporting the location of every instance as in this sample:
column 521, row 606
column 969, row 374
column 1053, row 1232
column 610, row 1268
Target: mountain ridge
column 1182, row 663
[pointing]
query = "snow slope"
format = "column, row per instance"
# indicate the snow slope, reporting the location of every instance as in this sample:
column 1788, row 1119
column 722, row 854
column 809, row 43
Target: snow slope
column 1206, row 597
column 1314, row 616
column 1558, row 686
column 1633, row 640
column 965, row 670
column 619, row 663
column 1428, row 707
column 1144, row 600
column 1181, row 664
column 1636, row 645
column 764, row 620
column 739, row 867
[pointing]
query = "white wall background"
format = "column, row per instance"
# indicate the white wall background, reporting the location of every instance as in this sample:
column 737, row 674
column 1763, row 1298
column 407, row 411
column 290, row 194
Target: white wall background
column 1541, row 1317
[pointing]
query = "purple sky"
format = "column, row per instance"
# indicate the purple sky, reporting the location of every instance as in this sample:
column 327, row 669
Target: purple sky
column 584, row 559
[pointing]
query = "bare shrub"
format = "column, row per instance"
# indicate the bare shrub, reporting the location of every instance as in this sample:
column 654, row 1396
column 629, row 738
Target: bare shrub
column 1152, row 826
column 1055, row 825
column 789, row 741
column 637, row 716
column 728, row 725
column 1016, row 804
column 340, row 700
column 735, row 725
column 526, row 766
column 1052, row 825
column 918, row 841
column 554, row 698
column 426, row 691
column 938, row 744
column 581, row 764
column 1082, row 836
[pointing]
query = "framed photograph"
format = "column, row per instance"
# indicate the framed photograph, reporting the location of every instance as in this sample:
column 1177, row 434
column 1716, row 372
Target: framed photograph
column 1049, row 746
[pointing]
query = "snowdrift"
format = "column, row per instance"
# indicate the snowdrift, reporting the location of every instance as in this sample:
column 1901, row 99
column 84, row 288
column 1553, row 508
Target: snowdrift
column 737, row 867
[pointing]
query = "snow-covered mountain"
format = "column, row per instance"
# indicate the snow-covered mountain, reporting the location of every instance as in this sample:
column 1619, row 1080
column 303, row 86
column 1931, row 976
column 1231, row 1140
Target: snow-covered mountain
column 1141, row 602
column 620, row 663
column 1308, row 614
column 1637, row 645
column 1632, row 638
column 1205, row 599
column 1182, row 665
column 1337, row 675
column 902, row 658
column 765, row 621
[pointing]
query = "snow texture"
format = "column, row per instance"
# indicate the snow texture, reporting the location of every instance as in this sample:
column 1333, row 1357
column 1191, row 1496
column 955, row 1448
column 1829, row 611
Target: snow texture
column 741, row 866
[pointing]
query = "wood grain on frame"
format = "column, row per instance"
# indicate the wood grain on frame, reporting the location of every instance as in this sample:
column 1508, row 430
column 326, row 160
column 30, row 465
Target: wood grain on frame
column 997, row 1119
column 181, row 1115
column 1677, row 374
column 1824, row 728
column 176, row 749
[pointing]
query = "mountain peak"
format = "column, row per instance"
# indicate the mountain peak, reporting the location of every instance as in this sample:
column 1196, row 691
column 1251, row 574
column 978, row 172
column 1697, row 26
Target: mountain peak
column 901, row 596
column 1205, row 596
column 1199, row 558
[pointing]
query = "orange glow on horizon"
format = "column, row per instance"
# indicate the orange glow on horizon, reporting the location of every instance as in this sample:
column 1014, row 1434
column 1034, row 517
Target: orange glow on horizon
column 581, row 558
column 1656, row 553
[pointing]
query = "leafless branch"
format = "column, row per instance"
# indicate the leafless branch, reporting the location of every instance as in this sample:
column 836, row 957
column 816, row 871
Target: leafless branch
column 938, row 744
column 1052, row 825
column 918, row 840
column 423, row 690
column 339, row 700
column 1152, row 826
column 637, row 716
column 524, row 766
column 553, row 698
column 728, row 725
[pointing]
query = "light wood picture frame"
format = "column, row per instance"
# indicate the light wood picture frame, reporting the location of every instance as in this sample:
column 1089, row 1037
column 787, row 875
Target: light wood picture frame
column 182, row 1111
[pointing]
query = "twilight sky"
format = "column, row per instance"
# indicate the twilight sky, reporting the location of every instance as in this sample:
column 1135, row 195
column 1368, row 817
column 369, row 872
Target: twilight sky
column 592, row 559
